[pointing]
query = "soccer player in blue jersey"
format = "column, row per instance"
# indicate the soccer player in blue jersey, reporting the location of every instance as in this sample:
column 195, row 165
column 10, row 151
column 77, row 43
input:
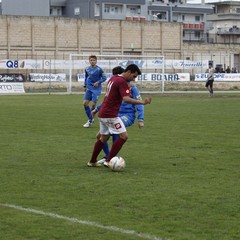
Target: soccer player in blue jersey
column 127, row 113
column 94, row 77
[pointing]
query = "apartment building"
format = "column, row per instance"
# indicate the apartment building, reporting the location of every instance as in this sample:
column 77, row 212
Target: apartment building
column 225, row 23
column 161, row 10
column 26, row 7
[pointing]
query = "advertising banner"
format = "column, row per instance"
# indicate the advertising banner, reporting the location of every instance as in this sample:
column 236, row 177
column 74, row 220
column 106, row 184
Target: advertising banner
column 53, row 64
column 11, row 88
column 184, row 77
column 145, row 64
column 56, row 64
column 42, row 77
column 11, row 78
column 21, row 64
column 219, row 77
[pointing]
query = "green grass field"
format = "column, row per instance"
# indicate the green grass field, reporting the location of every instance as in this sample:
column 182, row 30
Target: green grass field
column 181, row 182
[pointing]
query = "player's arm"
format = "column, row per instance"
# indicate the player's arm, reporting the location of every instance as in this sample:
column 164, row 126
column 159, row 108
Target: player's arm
column 134, row 101
column 139, row 108
column 85, row 79
column 102, row 76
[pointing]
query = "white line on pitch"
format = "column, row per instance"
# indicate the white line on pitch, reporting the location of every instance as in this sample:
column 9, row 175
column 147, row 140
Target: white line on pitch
column 89, row 223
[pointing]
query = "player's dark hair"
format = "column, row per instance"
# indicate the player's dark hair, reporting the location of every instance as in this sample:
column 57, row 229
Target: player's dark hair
column 133, row 68
column 92, row 56
column 117, row 70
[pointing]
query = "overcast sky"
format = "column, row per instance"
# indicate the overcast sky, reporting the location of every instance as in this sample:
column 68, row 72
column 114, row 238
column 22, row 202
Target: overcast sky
column 209, row 1
column 199, row 1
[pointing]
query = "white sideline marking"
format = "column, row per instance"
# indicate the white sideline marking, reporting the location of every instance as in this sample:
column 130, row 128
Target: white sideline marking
column 90, row 223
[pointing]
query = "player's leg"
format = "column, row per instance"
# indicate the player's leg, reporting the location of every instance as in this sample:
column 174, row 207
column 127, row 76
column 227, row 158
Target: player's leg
column 207, row 85
column 105, row 150
column 93, row 105
column 128, row 120
column 95, row 96
column 106, row 147
column 117, row 127
column 211, row 88
column 114, row 137
column 97, row 149
column 116, row 147
column 104, row 136
column 87, row 99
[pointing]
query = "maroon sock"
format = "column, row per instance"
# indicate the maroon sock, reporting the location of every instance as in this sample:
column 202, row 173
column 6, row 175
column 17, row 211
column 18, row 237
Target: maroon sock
column 116, row 147
column 96, row 150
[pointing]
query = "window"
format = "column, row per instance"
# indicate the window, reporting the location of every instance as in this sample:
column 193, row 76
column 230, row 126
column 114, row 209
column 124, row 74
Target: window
column 183, row 17
column 77, row 11
column 197, row 34
column 133, row 9
column 113, row 9
column 107, row 9
column 197, row 18
column 97, row 10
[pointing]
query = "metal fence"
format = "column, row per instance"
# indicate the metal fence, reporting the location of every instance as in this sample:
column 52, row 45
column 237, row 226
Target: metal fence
column 41, row 73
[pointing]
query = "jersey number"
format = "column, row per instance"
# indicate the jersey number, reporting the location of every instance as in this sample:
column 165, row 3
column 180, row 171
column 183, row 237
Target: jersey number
column 109, row 86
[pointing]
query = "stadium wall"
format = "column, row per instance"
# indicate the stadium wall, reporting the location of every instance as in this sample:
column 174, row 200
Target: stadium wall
column 24, row 37
column 57, row 36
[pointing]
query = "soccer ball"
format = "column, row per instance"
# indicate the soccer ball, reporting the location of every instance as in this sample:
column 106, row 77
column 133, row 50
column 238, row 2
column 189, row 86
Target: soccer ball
column 117, row 164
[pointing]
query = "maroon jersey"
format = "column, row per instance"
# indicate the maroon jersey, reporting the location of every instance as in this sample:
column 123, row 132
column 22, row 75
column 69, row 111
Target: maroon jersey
column 117, row 88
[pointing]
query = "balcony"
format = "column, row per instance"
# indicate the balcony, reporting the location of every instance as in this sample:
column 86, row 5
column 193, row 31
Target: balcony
column 193, row 26
column 211, row 38
column 234, row 30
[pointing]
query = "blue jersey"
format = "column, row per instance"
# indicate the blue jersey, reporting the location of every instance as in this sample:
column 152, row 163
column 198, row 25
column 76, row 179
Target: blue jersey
column 127, row 111
column 130, row 110
column 92, row 75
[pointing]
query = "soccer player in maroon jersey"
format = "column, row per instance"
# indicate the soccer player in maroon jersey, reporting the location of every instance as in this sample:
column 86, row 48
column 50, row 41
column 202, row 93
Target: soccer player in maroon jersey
column 116, row 92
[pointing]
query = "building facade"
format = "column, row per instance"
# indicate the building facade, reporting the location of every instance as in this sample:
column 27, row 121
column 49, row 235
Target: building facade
column 225, row 23
column 26, row 8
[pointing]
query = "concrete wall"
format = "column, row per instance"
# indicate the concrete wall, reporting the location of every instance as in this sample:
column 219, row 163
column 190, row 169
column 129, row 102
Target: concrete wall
column 57, row 37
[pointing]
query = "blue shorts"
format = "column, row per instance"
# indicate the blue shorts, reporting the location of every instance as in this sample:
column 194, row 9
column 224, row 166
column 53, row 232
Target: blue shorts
column 128, row 119
column 92, row 95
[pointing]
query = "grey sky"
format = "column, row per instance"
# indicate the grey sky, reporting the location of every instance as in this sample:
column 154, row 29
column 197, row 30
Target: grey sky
column 209, row 1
